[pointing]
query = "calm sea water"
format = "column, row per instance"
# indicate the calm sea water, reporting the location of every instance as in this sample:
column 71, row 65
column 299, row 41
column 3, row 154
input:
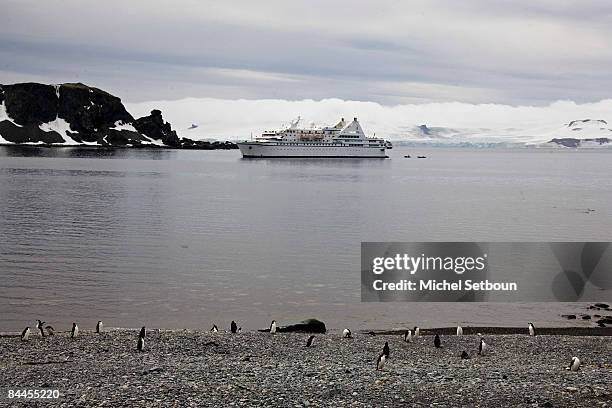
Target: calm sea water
column 182, row 239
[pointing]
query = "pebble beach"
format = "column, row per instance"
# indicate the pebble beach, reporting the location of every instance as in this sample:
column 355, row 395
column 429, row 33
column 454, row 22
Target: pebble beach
column 253, row 369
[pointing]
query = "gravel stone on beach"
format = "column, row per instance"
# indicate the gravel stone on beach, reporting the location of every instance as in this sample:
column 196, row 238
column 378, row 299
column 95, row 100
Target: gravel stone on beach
column 198, row 368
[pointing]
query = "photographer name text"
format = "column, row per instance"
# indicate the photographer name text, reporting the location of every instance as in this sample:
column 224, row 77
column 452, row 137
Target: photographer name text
column 443, row 285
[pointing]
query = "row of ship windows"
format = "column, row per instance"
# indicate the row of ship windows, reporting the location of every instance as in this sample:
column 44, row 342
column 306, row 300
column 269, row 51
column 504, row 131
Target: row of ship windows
column 331, row 144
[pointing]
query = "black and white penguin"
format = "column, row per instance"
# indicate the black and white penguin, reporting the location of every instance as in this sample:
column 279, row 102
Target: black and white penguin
column 214, row 329
column 233, row 327
column 574, row 364
column 464, row 355
column 531, row 329
column 309, row 341
column 50, row 330
column 273, row 327
column 25, row 334
column 141, row 343
column 408, row 336
column 459, row 330
column 386, row 349
column 143, row 332
column 75, row 330
column 40, row 326
column 240, row 330
column 482, row 347
column 99, row 327
column 380, row 362
column 416, row 331
column 437, row 341
column 346, row 333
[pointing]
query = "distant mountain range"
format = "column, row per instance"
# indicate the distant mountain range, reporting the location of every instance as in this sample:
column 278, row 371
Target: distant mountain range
column 77, row 114
column 577, row 133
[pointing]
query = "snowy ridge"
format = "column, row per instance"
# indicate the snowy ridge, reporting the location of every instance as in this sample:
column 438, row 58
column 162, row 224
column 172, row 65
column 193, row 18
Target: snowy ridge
column 430, row 123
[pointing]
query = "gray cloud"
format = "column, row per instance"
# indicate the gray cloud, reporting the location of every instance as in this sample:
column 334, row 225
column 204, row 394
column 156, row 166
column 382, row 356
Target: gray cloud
column 389, row 52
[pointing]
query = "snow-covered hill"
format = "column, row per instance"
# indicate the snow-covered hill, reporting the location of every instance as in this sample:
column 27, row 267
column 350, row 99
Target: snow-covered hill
column 449, row 123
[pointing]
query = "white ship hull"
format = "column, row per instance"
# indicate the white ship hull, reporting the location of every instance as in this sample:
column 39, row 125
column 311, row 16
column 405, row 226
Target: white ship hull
column 272, row 150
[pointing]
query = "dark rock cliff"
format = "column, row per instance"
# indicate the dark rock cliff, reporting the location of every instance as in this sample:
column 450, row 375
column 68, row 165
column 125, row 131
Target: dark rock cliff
column 77, row 113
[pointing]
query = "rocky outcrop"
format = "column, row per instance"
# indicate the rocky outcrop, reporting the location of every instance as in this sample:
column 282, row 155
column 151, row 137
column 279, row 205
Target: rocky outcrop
column 305, row 326
column 74, row 113
column 572, row 142
column 154, row 127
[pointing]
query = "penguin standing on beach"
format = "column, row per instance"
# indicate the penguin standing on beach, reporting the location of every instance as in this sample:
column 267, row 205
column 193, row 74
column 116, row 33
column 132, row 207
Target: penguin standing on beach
column 408, row 336
column 386, row 349
column 233, row 327
column 143, row 332
column 309, row 341
column 50, row 330
column 459, row 330
column 482, row 347
column 75, row 330
column 273, row 327
column 40, row 326
column 346, row 333
column 99, row 327
column 437, row 341
column 417, row 331
column 141, row 342
column 574, row 364
column 531, row 329
column 25, row 334
column 380, row 362
column 214, row 329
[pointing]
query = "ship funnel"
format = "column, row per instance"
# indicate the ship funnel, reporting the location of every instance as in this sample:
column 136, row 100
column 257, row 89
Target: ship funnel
column 355, row 119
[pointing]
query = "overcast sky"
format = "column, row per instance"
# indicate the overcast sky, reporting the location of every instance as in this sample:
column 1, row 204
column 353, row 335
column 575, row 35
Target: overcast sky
column 390, row 52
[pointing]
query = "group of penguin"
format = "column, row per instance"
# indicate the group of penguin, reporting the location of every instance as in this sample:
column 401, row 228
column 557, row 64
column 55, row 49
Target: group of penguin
column 409, row 336
column 74, row 332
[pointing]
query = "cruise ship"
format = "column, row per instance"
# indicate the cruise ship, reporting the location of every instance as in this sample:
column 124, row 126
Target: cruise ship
column 339, row 141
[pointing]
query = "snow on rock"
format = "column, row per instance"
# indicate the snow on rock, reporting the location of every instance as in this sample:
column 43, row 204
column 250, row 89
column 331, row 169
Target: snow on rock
column 119, row 125
column 62, row 127
column 4, row 115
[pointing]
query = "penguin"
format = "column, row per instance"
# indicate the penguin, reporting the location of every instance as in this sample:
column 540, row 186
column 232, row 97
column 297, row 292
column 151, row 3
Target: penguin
column 482, row 347
column 99, row 327
column 346, row 333
column 459, row 330
column 574, row 365
column 143, row 332
column 214, row 329
column 273, row 327
column 309, row 342
column 240, row 330
column 464, row 355
column 40, row 326
column 50, row 330
column 386, row 349
column 140, row 345
column 531, row 329
column 75, row 330
column 437, row 341
column 380, row 362
column 25, row 334
column 417, row 331
column 408, row 336
column 233, row 327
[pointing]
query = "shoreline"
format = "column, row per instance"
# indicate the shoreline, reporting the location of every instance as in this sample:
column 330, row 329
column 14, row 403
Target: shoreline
column 443, row 331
